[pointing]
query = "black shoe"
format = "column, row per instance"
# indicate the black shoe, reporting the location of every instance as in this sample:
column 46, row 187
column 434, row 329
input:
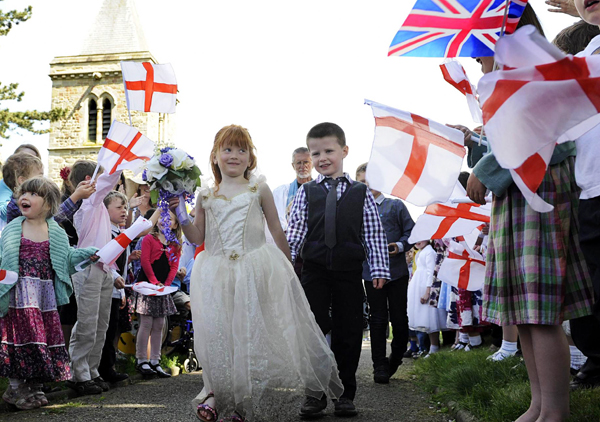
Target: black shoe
column 585, row 380
column 395, row 363
column 313, row 407
column 115, row 377
column 344, row 407
column 381, row 374
column 145, row 369
column 159, row 371
column 101, row 383
column 84, row 388
column 409, row 353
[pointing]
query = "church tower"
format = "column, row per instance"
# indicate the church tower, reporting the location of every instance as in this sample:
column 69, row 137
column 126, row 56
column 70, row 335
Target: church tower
column 90, row 87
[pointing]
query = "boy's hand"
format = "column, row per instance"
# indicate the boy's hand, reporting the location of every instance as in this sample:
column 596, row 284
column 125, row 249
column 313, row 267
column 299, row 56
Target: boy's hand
column 84, row 190
column 181, row 273
column 119, row 283
column 135, row 255
column 378, row 283
column 135, row 201
column 94, row 258
column 393, row 249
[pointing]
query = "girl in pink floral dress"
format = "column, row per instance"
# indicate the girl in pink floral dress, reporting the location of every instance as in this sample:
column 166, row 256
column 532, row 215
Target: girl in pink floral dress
column 32, row 347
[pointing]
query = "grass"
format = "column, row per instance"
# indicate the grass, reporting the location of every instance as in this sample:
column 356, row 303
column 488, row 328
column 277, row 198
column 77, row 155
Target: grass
column 491, row 391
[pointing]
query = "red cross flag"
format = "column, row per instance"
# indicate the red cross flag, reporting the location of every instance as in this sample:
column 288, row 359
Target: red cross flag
column 413, row 158
column 462, row 267
column 124, row 148
column 541, row 98
column 456, row 76
column 149, row 289
column 450, row 219
column 8, row 277
column 113, row 249
column 149, row 87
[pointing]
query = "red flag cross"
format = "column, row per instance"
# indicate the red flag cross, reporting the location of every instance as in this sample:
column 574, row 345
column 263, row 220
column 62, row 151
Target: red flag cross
column 149, row 86
column 423, row 137
column 452, row 215
column 465, row 270
column 464, row 25
column 123, row 151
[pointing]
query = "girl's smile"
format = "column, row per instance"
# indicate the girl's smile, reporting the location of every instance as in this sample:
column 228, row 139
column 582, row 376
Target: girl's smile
column 32, row 205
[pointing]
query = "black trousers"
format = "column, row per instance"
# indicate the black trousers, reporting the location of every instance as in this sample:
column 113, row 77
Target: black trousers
column 343, row 292
column 586, row 331
column 109, row 353
column 391, row 300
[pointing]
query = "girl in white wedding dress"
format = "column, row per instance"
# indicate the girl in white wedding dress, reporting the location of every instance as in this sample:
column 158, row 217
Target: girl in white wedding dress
column 253, row 327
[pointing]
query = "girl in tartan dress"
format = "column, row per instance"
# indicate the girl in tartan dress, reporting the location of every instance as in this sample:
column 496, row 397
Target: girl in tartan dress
column 536, row 276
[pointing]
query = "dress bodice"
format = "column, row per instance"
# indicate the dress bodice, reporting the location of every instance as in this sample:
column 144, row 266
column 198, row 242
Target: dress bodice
column 234, row 226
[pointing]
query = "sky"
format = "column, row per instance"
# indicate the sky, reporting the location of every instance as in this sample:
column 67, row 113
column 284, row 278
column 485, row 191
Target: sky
column 274, row 67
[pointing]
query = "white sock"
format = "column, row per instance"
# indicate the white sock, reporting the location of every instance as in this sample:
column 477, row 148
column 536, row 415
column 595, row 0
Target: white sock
column 154, row 361
column 434, row 349
column 577, row 358
column 475, row 341
column 463, row 337
column 509, row 347
column 14, row 383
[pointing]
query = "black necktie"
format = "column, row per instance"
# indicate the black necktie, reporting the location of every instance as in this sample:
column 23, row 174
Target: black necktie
column 330, row 212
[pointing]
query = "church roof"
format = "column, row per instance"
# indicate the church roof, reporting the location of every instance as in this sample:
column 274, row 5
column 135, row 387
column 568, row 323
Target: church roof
column 117, row 29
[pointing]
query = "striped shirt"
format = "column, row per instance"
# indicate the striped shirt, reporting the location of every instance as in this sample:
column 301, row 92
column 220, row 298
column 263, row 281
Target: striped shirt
column 372, row 233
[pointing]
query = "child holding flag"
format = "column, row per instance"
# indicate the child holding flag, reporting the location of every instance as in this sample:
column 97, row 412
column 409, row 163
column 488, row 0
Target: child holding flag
column 37, row 248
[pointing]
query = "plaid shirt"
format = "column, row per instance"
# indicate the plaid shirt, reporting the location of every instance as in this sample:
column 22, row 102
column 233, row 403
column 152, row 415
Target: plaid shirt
column 65, row 211
column 373, row 236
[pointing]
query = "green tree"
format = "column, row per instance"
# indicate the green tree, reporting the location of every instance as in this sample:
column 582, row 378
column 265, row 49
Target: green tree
column 20, row 119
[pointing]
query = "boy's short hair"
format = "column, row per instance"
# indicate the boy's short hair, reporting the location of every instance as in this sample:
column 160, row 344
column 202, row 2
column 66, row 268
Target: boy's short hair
column 80, row 169
column 44, row 188
column 575, row 38
column 362, row 168
column 28, row 146
column 20, row 165
column 115, row 194
column 327, row 129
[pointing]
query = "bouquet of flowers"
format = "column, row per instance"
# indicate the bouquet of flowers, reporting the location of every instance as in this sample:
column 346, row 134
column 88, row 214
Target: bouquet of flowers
column 171, row 173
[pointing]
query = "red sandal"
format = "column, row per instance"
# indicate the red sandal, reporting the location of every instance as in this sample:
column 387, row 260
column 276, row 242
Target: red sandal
column 207, row 408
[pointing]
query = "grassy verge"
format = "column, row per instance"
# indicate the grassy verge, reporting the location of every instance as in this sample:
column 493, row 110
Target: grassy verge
column 491, row 391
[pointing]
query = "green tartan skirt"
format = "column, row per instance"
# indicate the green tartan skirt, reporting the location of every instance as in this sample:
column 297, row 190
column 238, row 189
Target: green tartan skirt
column 535, row 270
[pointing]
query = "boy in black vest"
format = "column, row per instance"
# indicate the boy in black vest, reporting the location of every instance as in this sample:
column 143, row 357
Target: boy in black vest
column 334, row 224
column 391, row 300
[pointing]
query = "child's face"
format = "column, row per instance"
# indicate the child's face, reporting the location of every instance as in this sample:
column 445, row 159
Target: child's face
column 32, row 205
column 232, row 161
column 591, row 13
column 487, row 64
column 327, row 155
column 117, row 211
column 35, row 172
column 174, row 222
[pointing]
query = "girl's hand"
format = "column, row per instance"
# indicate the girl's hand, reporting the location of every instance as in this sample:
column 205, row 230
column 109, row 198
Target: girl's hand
column 476, row 189
column 135, row 255
column 119, row 283
column 466, row 133
column 135, row 201
column 84, row 190
column 123, row 302
column 563, row 6
column 94, row 258
column 425, row 297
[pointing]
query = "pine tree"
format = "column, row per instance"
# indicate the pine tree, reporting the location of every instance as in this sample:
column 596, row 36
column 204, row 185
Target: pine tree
column 22, row 119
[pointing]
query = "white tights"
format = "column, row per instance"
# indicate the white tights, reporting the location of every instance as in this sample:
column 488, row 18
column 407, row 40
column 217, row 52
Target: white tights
column 149, row 328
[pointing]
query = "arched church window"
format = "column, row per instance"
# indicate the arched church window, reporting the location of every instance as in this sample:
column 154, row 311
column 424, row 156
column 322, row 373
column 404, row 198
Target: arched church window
column 106, row 117
column 92, row 119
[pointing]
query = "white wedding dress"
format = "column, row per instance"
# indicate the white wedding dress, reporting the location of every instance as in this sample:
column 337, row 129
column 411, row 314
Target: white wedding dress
column 253, row 327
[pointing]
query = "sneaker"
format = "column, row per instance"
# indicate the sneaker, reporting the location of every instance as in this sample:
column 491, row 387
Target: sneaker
column 84, row 388
column 159, row 371
column 395, row 363
column 145, row 369
column 500, row 355
column 417, row 355
column 470, row 347
column 344, row 407
column 458, row 346
column 101, row 383
column 313, row 407
column 22, row 397
column 381, row 374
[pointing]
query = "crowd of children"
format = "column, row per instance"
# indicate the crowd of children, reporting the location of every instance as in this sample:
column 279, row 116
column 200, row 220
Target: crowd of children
column 257, row 324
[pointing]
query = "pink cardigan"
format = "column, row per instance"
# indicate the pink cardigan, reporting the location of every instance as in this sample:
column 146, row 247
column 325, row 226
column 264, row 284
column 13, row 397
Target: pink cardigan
column 152, row 249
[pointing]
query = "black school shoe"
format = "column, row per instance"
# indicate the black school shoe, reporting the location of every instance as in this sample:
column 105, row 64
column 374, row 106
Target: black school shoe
column 145, row 369
column 344, row 407
column 381, row 374
column 394, row 363
column 159, row 371
column 313, row 407
column 84, row 388
column 101, row 383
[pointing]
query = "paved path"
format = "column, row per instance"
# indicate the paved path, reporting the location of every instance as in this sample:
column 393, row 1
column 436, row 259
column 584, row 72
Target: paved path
column 169, row 400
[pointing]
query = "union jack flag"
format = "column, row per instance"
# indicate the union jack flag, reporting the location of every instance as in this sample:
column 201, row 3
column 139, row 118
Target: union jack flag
column 455, row 28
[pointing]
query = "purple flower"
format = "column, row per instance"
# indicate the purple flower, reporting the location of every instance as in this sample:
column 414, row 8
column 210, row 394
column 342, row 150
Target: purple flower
column 144, row 176
column 165, row 160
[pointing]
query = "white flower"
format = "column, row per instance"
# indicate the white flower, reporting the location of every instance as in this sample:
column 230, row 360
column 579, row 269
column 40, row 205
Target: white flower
column 155, row 170
column 179, row 156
